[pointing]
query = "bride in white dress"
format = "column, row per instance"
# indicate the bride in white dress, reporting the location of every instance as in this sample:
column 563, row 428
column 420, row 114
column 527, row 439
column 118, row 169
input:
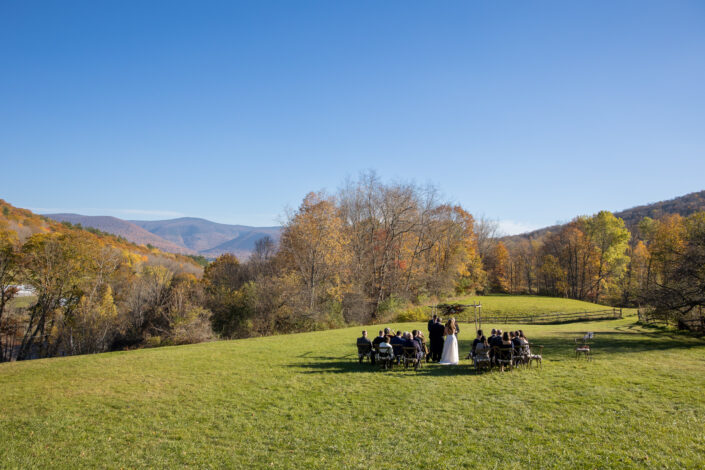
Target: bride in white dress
column 450, row 347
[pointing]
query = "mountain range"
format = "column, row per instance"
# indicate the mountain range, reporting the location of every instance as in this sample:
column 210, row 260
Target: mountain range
column 189, row 235
column 186, row 235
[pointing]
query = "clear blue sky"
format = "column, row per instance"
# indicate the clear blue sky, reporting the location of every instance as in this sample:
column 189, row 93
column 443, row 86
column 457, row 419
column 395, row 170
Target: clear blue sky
column 528, row 112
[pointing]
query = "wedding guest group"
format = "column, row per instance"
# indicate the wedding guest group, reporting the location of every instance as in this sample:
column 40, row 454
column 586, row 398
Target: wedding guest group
column 500, row 347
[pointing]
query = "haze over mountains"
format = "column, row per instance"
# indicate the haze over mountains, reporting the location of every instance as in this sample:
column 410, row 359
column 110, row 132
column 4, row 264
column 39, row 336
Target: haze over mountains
column 185, row 235
column 208, row 238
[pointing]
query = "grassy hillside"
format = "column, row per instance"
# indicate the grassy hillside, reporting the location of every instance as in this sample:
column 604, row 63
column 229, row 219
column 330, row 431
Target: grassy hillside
column 522, row 305
column 302, row 401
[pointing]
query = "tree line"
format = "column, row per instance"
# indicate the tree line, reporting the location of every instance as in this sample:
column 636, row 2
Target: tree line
column 659, row 265
column 353, row 257
column 91, row 296
column 346, row 258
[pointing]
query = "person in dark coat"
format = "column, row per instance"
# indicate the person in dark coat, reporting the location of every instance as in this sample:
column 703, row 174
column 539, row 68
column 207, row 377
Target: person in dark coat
column 495, row 341
column 397, row 343
column 431, row 322
column 364, row 341
column 418, row 337
column 378, row 339
column 436, row 336
column 410, row 342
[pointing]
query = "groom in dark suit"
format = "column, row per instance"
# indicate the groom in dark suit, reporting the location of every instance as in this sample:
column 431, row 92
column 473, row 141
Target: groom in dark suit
column 435, row 335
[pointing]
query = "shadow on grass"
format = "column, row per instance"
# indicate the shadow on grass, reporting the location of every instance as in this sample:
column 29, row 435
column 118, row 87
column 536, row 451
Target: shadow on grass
column 352, row 366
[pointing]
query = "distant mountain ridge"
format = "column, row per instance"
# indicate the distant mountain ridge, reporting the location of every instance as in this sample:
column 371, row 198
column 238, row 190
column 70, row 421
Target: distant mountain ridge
column 209, row 238
column 123, row 228
column 682, row 205
column 186, row 235
column 26, row 223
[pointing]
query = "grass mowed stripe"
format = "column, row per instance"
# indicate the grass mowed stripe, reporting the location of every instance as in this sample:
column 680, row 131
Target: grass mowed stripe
column 303, row 401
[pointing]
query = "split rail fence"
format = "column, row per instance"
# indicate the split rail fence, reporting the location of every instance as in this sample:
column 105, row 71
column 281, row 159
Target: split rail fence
column 549, row 318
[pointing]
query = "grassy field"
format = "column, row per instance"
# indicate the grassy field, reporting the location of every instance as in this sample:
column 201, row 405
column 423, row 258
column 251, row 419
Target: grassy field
column 523, row 305
column 23, row 302
column 303, row 401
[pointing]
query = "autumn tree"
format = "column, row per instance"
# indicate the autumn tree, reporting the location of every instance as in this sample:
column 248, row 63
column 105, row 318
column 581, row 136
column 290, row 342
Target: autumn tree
column 54, row 266
column 9, row 275
column 675, row 283
column 497, row 267
column 610, row 238
column 223, row 280
column 313, row 243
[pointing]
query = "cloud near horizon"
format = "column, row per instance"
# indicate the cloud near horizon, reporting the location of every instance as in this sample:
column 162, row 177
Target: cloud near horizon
column 511, row 227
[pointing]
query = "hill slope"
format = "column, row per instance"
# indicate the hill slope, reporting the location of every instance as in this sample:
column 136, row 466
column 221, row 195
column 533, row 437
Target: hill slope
column 206, row 237
column 683, row 205
column 26, row 223
column 123, row 228
column 303, row 401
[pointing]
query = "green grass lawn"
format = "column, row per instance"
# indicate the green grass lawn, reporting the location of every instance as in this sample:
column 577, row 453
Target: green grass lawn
column 303, row 401
column 522, row 305
column 23, row 301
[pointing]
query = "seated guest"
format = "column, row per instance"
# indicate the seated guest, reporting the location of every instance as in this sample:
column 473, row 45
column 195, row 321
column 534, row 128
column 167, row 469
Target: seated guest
column 397, row 343
column 385, row 345
column 496, row 340
column 522, row 337
column 516, row 342
column 388, row 333
column 419, row 338
column 476, row 341
column 482, row 350
column 379, row 339
column 364, row 339
column 363, row 342
column 506, row 342
column 409, row 342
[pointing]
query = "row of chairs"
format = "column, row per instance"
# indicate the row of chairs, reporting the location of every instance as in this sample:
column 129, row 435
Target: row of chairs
column 387, row 356
column 509, row 357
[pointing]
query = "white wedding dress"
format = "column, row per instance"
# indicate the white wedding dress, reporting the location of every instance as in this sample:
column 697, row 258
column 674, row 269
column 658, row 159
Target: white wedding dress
column 450, row 351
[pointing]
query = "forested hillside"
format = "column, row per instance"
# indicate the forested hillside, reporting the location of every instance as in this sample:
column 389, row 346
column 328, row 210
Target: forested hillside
column 26, row 223
column 682, row 205
column 122, row 228
column 92, row 291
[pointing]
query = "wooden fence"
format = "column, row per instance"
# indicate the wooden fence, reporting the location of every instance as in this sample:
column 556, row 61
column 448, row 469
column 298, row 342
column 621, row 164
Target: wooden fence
column 548, row 318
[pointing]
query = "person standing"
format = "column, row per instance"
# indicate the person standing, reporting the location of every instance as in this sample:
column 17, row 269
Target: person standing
column 436, row 337
column 431, row 322
column 450, row 347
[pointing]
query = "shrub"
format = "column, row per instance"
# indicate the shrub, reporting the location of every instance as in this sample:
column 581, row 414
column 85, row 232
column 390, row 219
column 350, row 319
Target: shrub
column 413, row 314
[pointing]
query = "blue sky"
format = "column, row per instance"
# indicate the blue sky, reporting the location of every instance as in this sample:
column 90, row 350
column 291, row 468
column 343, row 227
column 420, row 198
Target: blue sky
column 527, row 112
